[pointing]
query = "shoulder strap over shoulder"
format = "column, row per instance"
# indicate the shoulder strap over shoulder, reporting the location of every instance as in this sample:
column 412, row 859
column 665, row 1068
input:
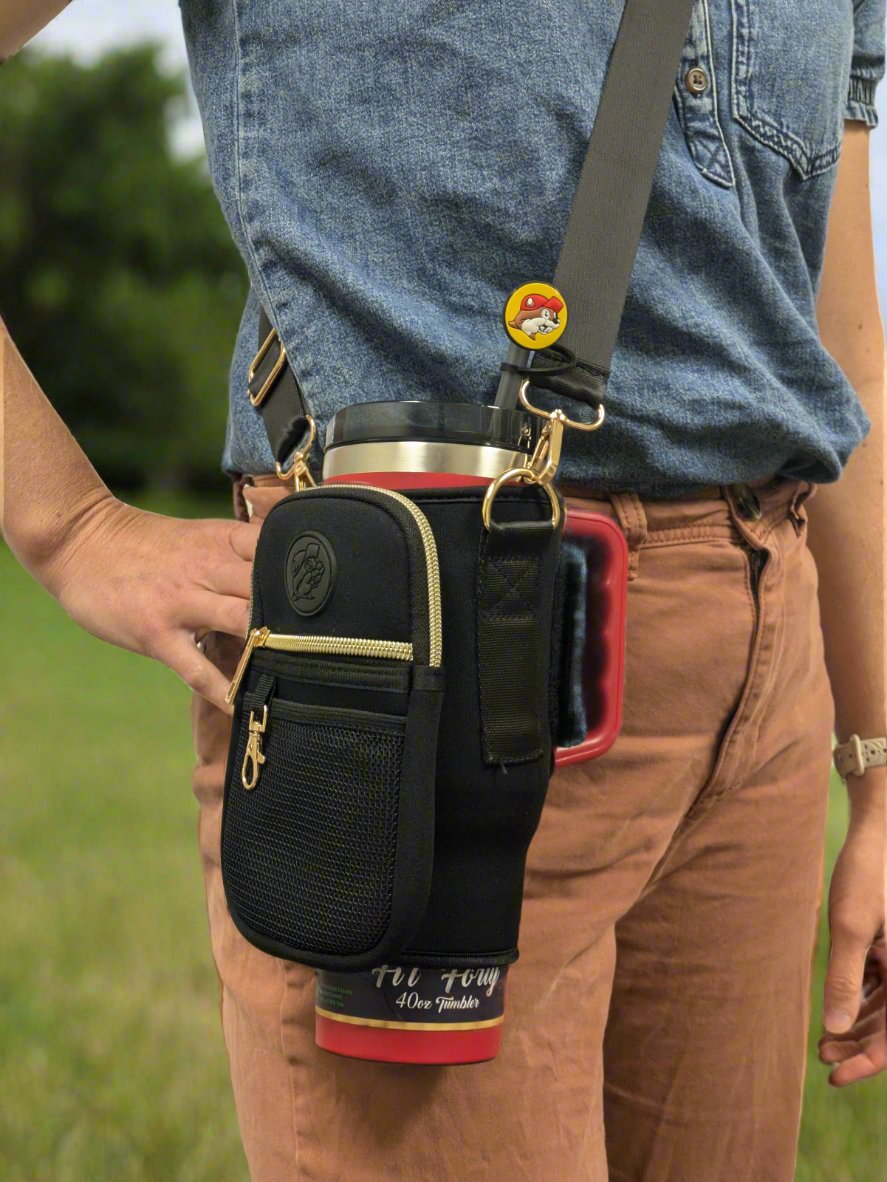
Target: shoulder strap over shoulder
column 607, row 215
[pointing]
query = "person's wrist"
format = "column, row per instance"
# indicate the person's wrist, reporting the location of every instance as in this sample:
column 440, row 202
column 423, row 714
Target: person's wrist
column 60, row 550
column 867, row 795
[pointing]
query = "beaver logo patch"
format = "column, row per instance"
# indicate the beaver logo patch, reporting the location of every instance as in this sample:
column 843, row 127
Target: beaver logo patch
column 310, row 573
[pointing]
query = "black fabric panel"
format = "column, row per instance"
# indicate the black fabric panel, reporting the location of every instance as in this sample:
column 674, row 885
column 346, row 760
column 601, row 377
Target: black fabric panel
column 583, row 383
column 512, row 641
column 463, row 825
column 348, row 693
column 328, row 860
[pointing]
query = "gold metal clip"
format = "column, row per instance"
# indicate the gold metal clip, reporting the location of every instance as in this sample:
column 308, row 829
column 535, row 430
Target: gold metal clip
column 543, row 463
column 576, row 424
column 298, row 471
column 254, row 758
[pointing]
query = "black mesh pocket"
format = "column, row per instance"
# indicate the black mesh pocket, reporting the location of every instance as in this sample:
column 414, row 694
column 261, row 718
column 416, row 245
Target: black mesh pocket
column 310, row 853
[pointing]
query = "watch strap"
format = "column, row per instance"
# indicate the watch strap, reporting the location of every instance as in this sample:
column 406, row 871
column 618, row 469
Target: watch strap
column 856, row 756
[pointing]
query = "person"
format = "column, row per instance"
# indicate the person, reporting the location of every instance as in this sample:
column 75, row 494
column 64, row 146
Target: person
column 389, row 175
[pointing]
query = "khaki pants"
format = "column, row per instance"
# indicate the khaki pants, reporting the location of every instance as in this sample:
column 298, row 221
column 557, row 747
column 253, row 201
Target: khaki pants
column 656, row 1021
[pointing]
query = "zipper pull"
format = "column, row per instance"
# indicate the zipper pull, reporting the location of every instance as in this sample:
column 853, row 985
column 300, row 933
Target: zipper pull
column 251, row 768
column 256, row 639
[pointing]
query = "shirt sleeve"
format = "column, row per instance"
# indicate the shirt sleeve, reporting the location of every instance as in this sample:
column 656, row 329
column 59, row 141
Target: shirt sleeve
column 867, row 65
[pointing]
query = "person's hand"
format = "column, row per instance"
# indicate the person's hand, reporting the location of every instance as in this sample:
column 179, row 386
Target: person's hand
column 157, row 585
column 855, row 1011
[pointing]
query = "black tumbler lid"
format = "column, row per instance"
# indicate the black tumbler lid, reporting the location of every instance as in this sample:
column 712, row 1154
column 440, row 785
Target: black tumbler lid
column 448, row 422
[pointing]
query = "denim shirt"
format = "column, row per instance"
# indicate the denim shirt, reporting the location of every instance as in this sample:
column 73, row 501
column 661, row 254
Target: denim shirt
column 390, row 172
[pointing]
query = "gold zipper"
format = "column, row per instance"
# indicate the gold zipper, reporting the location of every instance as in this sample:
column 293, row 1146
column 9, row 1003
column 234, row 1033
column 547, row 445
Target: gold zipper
column 435, row 630
column 396, row 650
column 339, row 646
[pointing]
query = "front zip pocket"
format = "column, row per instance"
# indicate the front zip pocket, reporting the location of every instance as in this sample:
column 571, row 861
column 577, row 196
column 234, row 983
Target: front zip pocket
column 338, row 646
column 262, row 637
column 328, row 822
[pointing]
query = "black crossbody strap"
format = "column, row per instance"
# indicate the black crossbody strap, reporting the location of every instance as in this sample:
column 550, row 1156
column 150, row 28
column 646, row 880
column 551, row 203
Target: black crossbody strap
column 602, row 233
column 610, row 203
column 275, row 391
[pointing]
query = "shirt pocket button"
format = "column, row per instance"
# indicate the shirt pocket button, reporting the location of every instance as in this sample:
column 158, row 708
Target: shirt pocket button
column 696, row 80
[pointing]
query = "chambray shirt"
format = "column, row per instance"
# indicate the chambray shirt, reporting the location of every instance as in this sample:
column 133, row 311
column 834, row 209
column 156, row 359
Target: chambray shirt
column 390, row 172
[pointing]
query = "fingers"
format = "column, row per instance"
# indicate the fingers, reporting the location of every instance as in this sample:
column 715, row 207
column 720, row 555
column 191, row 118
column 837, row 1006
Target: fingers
column 218, row 613
column 220, row 557
column 242, row 538
column 871, row 1015
column 860, row 1050
column 181, row 654
column 835, row 1048
column 230, row 578
column 843, row 983
column 869, row 1062
column 832, row 1051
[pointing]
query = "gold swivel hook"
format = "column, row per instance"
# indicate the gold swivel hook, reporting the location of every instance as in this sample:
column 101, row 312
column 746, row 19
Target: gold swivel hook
column 298, row 471
column 542, row 466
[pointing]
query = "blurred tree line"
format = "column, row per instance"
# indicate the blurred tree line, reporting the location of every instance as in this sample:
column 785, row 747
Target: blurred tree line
column 118, row 278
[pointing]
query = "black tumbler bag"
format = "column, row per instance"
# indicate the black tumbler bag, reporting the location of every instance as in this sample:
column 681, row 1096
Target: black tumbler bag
column 372, row 814
column 351, row 834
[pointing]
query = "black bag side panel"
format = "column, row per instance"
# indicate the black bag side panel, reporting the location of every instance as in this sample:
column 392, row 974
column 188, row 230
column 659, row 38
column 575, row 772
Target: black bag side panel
column 486, row 814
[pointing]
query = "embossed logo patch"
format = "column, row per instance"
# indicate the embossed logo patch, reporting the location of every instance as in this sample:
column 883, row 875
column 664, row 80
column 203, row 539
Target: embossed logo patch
column 310, row 573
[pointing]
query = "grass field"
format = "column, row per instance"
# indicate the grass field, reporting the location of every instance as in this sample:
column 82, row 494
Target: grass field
column 112, row 1067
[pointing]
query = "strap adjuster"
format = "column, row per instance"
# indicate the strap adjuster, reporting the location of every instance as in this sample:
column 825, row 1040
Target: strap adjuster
column 258, row 397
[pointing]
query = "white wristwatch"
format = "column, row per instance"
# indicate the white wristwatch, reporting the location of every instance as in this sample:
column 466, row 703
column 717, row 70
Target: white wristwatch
column 856, row 756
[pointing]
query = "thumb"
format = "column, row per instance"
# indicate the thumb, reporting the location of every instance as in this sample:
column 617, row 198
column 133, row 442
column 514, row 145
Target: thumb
column 843, row 982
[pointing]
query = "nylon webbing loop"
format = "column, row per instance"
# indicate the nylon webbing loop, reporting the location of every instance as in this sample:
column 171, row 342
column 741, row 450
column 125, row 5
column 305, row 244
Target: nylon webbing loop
column 511, row 641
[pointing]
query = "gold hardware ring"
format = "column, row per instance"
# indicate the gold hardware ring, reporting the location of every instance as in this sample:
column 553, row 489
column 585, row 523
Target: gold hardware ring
column 259, row 397
column 528, row 476
column 544, row 414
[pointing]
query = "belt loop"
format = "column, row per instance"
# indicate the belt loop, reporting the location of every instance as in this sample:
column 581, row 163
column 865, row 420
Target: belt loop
column 631, row 516
column 805, row 490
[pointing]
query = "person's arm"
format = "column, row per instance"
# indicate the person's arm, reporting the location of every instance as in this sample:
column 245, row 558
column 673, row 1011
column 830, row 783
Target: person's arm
column 21, row 19
column 151, row 584
column 847, row 537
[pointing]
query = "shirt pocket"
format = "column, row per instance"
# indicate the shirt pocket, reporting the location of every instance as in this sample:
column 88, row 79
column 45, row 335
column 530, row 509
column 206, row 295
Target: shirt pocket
column 791, row 71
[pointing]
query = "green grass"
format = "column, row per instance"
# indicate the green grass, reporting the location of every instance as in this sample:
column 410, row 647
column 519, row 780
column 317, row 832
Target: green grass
column 112, row 1067
column 843, row 1132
